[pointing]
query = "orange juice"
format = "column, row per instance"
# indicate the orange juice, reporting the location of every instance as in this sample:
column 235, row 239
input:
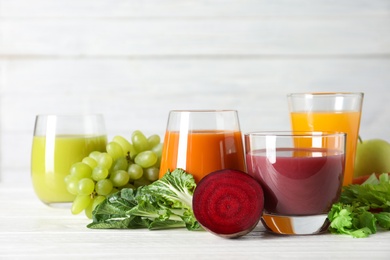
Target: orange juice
column 202, row 152
column 340, row 121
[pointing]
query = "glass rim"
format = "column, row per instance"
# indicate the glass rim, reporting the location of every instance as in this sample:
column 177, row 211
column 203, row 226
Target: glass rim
column 360, row 94
column 201, row 110
column 296, row 133
column 70, row 115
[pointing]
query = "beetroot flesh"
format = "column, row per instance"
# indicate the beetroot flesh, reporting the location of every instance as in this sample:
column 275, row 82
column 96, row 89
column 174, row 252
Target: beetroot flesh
column 228, row 203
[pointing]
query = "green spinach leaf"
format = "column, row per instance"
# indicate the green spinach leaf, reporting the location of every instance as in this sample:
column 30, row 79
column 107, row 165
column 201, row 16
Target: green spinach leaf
column 166, row 203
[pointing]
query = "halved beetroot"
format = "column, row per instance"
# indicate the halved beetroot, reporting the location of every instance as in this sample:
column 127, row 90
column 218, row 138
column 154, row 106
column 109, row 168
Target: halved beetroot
column 228, row 203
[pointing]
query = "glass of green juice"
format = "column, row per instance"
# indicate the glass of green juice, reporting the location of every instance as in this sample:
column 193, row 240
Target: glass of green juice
column 60, row 141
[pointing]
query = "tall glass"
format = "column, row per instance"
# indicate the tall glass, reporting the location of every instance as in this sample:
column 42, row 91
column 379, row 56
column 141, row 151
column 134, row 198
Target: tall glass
column 58, row 142
column 334, row 111
column 202, row 141
column 301, row 174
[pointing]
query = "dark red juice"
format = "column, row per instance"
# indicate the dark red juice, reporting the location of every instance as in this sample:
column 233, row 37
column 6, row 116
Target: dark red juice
column 298, row 181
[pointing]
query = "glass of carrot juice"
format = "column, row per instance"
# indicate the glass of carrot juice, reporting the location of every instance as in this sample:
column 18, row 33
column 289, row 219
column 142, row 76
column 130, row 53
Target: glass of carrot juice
column 58, row 142
column 329, row 111
column 202, row 141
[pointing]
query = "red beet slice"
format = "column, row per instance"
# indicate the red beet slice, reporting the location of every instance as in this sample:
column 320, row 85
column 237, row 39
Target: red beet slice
column 228, row 203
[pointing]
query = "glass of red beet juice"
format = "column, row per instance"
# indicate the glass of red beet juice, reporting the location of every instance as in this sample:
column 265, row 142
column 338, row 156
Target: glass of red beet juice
column 301, row 174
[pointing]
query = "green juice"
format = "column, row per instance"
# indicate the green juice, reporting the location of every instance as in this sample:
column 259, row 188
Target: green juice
column 51, row 161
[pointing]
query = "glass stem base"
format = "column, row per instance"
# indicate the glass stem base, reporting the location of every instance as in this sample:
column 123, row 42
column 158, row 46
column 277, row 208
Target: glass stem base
column 295, row 225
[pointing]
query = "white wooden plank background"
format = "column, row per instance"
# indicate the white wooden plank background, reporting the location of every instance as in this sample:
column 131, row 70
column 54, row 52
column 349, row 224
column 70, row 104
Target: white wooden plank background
column 133, row 61
column 190, row 8
column 269, row 37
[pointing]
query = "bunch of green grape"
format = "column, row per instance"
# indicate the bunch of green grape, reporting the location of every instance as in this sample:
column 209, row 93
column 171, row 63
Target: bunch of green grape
column 123, row 164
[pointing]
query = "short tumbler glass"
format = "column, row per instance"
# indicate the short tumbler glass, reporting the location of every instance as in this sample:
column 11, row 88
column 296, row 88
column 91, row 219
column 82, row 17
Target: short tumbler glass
column 60, row 141
column 202, row 141
column 329, row 111
column 301, row 174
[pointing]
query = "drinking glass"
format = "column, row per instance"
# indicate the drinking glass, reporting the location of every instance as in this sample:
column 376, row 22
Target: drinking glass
column 202, row 141
column 301, row 174
column 58, row 142
column 333, row 111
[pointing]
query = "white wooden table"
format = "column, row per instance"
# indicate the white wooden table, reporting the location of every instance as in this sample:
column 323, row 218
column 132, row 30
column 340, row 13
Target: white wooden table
column 32, row 230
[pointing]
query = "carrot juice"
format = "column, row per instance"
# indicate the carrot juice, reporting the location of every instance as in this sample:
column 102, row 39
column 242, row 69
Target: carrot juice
column 340, row 121
column 201, row 152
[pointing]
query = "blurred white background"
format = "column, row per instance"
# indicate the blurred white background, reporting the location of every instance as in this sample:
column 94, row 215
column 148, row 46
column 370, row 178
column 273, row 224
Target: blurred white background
column 133, row 61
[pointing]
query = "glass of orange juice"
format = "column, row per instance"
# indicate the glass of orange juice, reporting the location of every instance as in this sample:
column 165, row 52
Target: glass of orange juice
column 58, row 142
column 202, row 141
column 329, row 111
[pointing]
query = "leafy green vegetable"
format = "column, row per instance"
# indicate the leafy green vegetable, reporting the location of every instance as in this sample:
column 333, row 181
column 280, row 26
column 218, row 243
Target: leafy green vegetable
column 362, row 209
column 166, row 203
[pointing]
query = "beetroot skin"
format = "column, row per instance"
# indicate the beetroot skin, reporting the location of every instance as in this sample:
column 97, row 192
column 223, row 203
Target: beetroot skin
column 228, row 203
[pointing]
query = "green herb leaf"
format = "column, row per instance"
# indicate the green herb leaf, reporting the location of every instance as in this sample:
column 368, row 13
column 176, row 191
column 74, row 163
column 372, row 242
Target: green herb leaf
column 349, row 220
column 383, row 219
column 166, row 203
column 113, row 212
column 372, row 180
column 375, row 196
column 340, row 218
column 362, row 208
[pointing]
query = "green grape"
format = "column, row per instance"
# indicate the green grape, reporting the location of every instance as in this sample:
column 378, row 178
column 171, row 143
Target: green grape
column 80, row 170
column 146, row 159
column 154, row 140
column 151, row 173
column 140, row 142
column 80, row 203
column 70, row 178
column 127, row 147
column 158, row 163
column 105, row 160
column 114, row 150
column 119, row 178
column 141, row 182
column 72, row 188
column 114, row 190
column 135, row 171
column 129, row 186
column 103, row 187
column 99, row 173
column 90, row 161
column 86, row 186
column 95, row 155
column 88, row 211
column 123, row 165
column 71, row 183
column 120, row 164
column 97, row 200
column 157, row 149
